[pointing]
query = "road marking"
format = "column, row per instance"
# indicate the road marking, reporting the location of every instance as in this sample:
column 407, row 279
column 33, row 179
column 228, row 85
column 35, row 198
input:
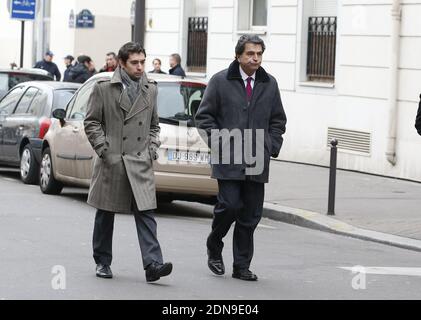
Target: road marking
column 9, row 179
column 396, row 271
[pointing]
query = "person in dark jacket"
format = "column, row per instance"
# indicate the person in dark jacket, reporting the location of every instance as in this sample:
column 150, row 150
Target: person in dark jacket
column 175, row 64
column 157, row 66
column 241, row 104
column 68, row 62
column 48, row 65
column 83, row 70
column 418, row 119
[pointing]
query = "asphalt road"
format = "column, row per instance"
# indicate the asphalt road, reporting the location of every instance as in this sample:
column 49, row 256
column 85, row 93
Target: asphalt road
column 45, row 237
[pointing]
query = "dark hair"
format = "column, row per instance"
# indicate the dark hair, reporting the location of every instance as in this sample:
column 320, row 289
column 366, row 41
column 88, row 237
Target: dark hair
column 83, row 59
column 156, row 59
column 177, row 57
column 129, row 48
column 248, row 38
column 111, row 54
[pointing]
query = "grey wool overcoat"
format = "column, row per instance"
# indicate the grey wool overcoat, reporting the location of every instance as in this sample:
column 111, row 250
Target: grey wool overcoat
column 126, row 138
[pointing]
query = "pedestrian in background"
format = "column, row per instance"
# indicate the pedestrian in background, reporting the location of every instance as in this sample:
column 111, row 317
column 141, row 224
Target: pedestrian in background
column 83, row 70
column 111, row 63
column 124, row 132
column 68, row 62
column 175, row 64
column 156, row 63
column 242, row 97
column 418, row 118
column 47, row 64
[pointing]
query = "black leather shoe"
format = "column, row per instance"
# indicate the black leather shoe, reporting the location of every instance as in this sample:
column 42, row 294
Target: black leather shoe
column 216, row 264
column 157, row 270
column 103, row 271
column 244, row 274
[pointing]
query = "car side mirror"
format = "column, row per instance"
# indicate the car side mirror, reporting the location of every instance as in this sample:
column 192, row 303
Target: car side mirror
column 60, row 114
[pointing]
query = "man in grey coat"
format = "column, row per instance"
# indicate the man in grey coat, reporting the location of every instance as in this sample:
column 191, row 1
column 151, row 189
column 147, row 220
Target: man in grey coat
column 122, row 125
column 241, row 113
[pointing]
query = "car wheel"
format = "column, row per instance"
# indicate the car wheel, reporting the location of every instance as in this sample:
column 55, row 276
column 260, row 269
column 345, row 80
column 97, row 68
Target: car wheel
column 47, row 182
column 28, row 166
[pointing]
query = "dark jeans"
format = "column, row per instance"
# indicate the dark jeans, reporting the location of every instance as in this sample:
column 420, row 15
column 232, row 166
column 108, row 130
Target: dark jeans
column 240, row 202
column 146, row 233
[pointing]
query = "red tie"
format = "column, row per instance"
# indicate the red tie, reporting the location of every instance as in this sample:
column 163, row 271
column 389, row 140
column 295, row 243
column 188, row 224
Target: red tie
column 248, row 88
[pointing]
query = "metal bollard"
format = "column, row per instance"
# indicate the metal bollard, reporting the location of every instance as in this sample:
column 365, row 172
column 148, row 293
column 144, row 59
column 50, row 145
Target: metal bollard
column 332, row 176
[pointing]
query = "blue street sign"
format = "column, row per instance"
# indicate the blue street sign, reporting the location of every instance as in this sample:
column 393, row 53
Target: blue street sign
column 23, row 9
column 85, row 19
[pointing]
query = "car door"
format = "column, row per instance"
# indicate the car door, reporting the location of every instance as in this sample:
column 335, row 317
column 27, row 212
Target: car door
column 71, row 149
column 7, row 106
column 63, row 147
column 84, row 153
column 18, row 125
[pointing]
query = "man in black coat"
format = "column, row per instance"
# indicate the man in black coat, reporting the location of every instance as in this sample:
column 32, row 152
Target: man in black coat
column 241, row 104
column 175, row 64
column 68, row 60
column 418, row 119
column 83, row 70
column 48, row 65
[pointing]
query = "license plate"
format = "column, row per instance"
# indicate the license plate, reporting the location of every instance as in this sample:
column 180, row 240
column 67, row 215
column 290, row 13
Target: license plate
column 188, row 156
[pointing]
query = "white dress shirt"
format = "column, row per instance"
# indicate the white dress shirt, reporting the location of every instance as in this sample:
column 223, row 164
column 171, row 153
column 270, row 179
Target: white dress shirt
column 245, row 76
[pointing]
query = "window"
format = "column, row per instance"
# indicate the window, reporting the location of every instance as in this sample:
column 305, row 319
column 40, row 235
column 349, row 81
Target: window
column 197, row 44
column 62, row 97
column 8, row 104
column 321, row 22
column 38, row 104
column 80, row 105
column 26, row 100
column 179, row 101
column 252, row 14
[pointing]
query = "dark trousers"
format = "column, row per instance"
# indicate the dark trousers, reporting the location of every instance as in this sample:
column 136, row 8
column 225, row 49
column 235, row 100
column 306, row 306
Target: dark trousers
column 240, row 202
column 146, row 233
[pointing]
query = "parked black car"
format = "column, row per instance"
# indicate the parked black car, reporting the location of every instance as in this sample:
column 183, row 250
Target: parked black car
column 11, row 77
column 25, row 116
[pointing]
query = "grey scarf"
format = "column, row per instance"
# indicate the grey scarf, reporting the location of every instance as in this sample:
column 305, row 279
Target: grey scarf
column 132, row 86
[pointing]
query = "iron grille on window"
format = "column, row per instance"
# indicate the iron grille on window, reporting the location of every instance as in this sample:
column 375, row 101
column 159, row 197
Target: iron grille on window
column 321, row 48
column 197, row 44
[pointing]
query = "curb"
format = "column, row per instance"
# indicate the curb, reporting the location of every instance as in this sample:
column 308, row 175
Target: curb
column 317, row 221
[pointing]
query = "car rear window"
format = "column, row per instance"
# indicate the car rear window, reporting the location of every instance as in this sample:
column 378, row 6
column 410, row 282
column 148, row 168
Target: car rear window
column 62, row 97
column 178, row 101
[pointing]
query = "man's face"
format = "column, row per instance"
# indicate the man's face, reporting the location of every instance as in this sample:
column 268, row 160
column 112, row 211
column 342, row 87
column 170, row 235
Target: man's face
column 48, row 58
column 156, row 65
column 111, row 61
column 135, row 65
column 251, row 59
column 67, row 62
column 173, row 62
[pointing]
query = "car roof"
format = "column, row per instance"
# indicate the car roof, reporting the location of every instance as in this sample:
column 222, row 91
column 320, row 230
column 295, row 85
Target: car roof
column 158, row 77
column 55, row 85
column 26, row 71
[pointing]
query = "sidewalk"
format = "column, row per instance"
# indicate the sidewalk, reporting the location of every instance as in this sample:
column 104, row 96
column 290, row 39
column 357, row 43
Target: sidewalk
column 363, row 201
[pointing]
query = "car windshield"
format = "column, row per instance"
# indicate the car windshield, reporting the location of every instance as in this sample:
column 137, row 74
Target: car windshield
column 62, row 97
column 179, row 101
column 10, row 79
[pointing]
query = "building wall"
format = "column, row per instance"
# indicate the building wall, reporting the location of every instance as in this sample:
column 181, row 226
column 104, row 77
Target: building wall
column 112, row 29
column 358, row 100
column 10, row 38
column 167, row 28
